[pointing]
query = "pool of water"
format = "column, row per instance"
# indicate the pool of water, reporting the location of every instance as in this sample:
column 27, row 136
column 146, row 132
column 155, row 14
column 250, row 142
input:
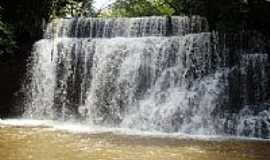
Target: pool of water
column 42, row 142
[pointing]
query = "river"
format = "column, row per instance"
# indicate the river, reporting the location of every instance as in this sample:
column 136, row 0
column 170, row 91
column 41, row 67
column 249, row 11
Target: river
column 41, row 140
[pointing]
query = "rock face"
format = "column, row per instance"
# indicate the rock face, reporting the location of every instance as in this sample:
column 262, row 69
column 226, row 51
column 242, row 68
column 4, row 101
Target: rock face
column 154, row 74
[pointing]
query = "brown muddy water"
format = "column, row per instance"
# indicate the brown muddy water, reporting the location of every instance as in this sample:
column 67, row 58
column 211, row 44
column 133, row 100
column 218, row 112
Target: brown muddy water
column 42, row 143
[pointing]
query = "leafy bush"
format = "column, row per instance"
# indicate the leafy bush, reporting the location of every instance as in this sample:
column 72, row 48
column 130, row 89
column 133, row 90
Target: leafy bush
column 7, row 43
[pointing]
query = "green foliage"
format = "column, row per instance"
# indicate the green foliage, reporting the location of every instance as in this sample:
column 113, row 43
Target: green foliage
column 136, row 8
column 7, row 43
column 71, row 8
column 28, row 18
column 133, row 8
column 175, row 7
column 222, row 15
column 164, row 7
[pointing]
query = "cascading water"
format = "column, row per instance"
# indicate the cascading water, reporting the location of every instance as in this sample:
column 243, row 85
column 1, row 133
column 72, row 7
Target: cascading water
column 154, row 74
column 125, row 27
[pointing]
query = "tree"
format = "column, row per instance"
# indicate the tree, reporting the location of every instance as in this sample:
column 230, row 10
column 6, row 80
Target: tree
column 7, row 43
column 132, row 8
column 222, row 15
column 29, row 16
column 71, row 8
column 176, row 7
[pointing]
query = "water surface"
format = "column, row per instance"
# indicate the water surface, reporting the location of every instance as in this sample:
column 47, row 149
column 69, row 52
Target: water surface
column 44, row 143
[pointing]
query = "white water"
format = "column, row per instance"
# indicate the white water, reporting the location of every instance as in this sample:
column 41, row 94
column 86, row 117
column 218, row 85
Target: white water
column 125, row 27
column 79, row 128
column 138, row 78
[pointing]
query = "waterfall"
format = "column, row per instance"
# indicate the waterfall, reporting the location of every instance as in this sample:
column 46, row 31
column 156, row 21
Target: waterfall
column 125, row 27
column 164, row 74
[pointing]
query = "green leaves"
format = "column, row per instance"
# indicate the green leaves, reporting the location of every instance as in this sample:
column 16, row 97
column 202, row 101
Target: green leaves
column 7, row 43
column 27, row 19
column 71, row 8
column 133, row 8
column 136, row 8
